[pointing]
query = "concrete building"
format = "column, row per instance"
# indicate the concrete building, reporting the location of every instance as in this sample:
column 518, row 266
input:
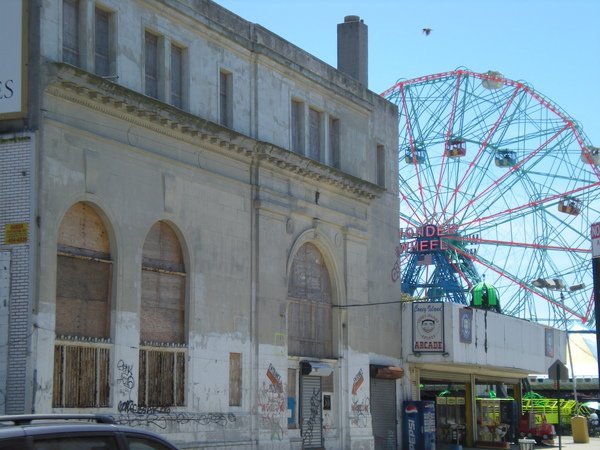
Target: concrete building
column 198, row 225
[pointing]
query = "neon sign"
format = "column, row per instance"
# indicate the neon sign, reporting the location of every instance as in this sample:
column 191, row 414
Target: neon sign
column 428, row 238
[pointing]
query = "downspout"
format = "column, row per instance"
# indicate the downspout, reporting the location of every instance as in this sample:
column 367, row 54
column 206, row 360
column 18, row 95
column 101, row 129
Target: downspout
column 254, row 353
column 254, row 248
column 344, row 370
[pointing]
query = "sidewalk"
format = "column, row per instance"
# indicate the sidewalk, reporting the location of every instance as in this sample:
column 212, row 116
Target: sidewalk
column 566, row 443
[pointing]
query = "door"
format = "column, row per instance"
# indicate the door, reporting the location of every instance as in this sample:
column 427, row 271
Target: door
column 311, row 412
column 383, row 413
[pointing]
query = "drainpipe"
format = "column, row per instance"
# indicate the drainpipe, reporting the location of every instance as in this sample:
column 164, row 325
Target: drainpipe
column 254, row 247
column 254, row 354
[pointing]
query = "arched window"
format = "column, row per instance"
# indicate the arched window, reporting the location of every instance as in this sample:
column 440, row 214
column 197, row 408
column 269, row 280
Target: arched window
column 162, row 319
column 83, row 309
column 309, row 296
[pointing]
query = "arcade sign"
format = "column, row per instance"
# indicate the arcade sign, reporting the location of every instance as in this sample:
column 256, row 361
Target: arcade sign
column 428, row 327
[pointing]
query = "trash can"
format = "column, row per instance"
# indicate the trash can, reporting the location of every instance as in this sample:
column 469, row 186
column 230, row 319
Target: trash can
column 526, row 444
column 579, row 430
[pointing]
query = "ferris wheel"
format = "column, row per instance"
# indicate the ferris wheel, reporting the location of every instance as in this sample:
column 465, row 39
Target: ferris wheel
column 498, row 185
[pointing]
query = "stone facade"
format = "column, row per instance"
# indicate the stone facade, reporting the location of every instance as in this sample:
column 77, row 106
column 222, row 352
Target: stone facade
column 243, row 206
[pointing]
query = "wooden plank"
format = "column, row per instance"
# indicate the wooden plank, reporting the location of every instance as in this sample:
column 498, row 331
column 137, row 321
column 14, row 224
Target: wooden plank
column 235, row 379
column 163, row 308
column 82, row 227
column 162, row 246
column 82, row 298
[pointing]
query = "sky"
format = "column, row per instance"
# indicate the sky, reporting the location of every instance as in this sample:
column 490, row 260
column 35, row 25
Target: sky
column 551, row 45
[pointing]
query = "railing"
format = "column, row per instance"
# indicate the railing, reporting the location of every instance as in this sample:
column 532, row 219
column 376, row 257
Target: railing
column 548, row 408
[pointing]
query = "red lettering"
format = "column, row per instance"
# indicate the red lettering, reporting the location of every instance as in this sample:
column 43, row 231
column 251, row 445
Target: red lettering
column 430, row 230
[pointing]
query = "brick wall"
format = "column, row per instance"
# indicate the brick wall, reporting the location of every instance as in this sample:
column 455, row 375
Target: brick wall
column 16, row 183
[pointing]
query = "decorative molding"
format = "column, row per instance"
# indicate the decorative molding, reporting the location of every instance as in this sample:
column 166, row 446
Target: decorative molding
column 102, row 95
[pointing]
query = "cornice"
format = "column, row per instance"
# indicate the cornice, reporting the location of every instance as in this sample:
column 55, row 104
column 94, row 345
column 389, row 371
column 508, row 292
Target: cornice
column 102, row 95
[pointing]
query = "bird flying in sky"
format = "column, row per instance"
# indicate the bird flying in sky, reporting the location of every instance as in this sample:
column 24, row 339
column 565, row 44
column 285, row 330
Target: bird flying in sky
column 426, row 31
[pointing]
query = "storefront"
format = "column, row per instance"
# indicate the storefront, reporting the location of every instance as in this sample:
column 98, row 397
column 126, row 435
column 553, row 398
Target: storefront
column 470, row 363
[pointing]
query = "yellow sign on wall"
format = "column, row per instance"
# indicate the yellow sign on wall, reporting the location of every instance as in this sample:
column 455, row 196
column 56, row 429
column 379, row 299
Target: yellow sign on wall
column 16, row 233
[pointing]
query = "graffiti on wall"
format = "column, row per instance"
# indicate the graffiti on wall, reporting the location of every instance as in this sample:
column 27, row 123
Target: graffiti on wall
column 313, row 421
column 134, row 415
column 125, row 380
column 360, row 404
column 163, row 416
column 272, row 403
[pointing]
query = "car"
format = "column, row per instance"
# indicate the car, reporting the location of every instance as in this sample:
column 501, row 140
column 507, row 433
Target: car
column 74, row 432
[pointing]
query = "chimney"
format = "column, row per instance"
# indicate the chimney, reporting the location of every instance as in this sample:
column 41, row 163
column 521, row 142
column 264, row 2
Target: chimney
column 352, row 49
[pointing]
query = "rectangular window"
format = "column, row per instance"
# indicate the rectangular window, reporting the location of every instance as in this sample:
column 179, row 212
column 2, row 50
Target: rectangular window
column 81, row 375
column 235, row 379
column 380, row 166
column 161, row 377
column 297, row 126
column 334, row 141
column 176, row 76
column 70, row 442
column 70, row 35
column 151, row 64
column 102, row 42
column 225, row 105
column 314, row 134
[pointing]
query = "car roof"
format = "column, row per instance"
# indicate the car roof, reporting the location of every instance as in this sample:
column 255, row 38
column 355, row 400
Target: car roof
column 63, row 424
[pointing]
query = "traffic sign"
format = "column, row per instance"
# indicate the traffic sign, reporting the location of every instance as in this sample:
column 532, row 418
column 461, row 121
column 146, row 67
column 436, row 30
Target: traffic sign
column 558, row 371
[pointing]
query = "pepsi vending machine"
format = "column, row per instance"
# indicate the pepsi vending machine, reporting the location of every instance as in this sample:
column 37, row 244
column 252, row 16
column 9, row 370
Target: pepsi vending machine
column 418, row 425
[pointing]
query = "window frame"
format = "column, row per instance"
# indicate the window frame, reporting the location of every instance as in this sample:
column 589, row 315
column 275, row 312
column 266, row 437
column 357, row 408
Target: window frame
column 380, row 165
column 176, row 80
column 108, row 45
column 152, row 78
column 297, row 120
column 225, row 98
column 315, row 133
column 71, row 54
column 334, row 142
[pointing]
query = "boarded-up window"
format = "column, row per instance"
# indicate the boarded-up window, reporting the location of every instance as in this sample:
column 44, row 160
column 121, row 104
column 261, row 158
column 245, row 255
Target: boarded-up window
column 83, row 298
column 162, row 376
column 80, row 374
column 163, row 287
column 235, row 379
column 309, row 295
column 162, row 319
column 83, row 288
column 70, row 32
column 83, row 307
